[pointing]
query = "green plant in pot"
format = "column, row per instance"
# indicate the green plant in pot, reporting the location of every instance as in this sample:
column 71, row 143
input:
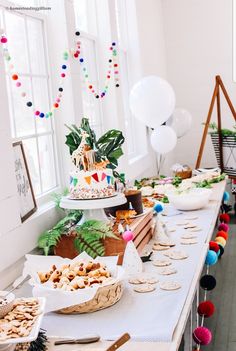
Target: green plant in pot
column 228, row 138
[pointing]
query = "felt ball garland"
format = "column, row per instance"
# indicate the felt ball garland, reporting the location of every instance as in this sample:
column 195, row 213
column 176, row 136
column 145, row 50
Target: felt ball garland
column 112, row 71
column 202, row 335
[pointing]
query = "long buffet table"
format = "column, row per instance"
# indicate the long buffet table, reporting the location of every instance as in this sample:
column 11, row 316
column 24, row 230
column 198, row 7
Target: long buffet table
column 156, row 320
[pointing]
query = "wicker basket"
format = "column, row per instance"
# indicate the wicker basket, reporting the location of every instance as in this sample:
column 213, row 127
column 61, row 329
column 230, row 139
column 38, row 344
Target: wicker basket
column 184, row 174
column 106, row 296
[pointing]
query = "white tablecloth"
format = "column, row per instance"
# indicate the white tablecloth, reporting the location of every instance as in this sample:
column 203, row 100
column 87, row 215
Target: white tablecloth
column 147, row 317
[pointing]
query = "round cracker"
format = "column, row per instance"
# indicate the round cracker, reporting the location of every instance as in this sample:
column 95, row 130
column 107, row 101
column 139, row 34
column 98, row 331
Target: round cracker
column 137, row 280
column 144, row 288
column 168, row 271
column 166, row 243
column 191, row 218
column 152, row 281
column 158, row 247
column 176, row 255
column 170, row 285
column 188, row 242
column 197, row 229
column 162, row 263
column 188, row 236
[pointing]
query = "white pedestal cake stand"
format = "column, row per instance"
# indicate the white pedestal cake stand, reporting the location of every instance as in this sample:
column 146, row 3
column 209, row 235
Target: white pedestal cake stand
column 94, row 208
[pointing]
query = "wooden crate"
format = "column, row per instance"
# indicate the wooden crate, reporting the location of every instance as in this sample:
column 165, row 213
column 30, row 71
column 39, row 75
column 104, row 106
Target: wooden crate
column 142, row 228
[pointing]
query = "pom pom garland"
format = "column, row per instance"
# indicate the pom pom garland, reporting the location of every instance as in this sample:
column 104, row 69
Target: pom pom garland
column 224, row 217
column 202, row 335
column 221, row 241
column 211, row 258
column 222, row 234
column 73, row 53
column 224, row 227
column 208, row 282
column 206, row 309
column 214, row 246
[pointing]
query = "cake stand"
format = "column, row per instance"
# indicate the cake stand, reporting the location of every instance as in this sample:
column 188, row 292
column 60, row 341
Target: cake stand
column 94, row 208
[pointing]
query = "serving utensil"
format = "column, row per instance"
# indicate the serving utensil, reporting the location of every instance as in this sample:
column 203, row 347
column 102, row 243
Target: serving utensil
column 84, row 340
column 119, row 342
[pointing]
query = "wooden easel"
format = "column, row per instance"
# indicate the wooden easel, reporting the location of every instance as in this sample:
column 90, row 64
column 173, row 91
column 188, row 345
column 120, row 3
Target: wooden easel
column 215, row 97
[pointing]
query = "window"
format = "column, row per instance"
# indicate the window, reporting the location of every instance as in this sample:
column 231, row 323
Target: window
column 122, row 31
column 85, row 20
column 25, row 35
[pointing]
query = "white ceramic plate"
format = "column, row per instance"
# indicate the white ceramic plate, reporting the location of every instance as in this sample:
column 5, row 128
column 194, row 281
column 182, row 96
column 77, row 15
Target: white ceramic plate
column 34, row 331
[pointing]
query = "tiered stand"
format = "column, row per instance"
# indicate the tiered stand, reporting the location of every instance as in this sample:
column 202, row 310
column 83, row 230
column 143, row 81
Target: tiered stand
column 94, row 208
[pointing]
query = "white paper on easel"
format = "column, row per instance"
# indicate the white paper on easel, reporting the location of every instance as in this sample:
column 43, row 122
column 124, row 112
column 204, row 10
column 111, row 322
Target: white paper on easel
column 132, row 262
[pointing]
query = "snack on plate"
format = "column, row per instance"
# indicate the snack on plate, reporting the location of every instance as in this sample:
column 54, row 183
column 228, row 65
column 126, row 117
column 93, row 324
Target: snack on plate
column 79, row 275
column 20, row 321
column 148, row 203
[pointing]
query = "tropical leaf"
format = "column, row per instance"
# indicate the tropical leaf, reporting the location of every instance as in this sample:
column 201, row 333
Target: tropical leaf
column 92, row 245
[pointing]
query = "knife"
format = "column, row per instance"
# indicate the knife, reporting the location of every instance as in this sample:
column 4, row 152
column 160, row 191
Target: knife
column 119, row 342
column 85, row 340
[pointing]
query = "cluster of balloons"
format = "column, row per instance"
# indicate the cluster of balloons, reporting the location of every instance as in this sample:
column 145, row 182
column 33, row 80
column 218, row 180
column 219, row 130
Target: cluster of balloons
column 152, row 101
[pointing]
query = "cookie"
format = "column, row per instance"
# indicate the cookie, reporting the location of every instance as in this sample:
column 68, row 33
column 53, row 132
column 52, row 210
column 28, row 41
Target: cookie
column 190, row 226
column 152, row 281
column 162, row 263
column 196, row 229
column 144, row 288
column 168, row 271
column 182, row 223
column 137, row 280
column 188, row 242
column 158, row 247
column 171, row 230
column 191, row 218
column 188, row 236
column 166, row 243
column 176, row 255
column 170, row 286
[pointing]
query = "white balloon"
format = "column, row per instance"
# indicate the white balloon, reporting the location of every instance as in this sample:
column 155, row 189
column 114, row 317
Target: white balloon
column 163, row 139
column 152, row 101
column 180, row 121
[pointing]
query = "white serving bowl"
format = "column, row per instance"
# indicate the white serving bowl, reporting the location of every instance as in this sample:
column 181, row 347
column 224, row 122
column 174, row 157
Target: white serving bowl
column 7, row 305
column 193, row 199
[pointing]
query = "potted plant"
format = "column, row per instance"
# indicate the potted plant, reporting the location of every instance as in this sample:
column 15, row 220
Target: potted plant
column 228, row 147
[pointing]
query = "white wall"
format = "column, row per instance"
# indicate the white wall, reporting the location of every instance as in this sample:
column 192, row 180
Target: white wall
column 198, row 37
column 152, row 50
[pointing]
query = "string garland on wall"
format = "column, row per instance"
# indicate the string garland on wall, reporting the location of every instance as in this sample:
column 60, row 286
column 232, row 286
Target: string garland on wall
column 75, row 54
column 201, row 334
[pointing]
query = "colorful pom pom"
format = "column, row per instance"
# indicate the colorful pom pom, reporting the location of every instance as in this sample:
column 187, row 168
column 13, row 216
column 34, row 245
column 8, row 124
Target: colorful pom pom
column 222, row 234
column 224, row 227
column 158, row 207
column 222, row 250
column 128, row 235
column 14, row 76
column 37, row 113
column 224, row 217
column 214, row 246
column 221, row 241
column 206, row 309
column 29, row 104
column 226, row 196
column 208, row 282
column 3, row 40
column 211, row 258
column 202, row 335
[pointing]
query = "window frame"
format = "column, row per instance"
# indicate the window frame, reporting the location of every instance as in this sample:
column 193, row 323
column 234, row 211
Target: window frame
column 46, row 196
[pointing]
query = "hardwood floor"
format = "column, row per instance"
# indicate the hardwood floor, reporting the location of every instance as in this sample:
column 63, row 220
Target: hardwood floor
column 223, row 323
